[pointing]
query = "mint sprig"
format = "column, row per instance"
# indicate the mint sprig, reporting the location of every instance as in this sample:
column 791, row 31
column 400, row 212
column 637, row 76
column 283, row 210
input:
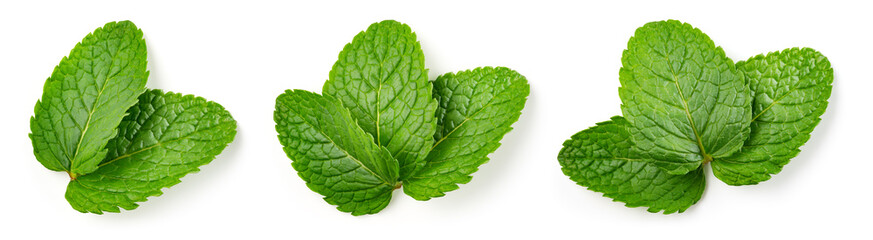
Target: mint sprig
column 685, row 104
column 381, row 125
column 120, row 143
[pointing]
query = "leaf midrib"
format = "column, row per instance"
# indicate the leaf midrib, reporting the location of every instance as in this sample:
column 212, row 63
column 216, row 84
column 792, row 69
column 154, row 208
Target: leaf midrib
column 685, row 107
column 96, row 105
column 158, row 144
column 384, row 181
column 467, row 118
column 773, row 103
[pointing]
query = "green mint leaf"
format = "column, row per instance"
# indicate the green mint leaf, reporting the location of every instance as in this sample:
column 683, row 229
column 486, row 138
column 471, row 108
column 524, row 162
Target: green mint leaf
column 686, row 104
column 684, row 98
column 86, row 97
column 164, row 137
column 376, row 128
column 333, row 154
column 791, row 90
column 476, row 108
column 380, row 77
column 604, row 159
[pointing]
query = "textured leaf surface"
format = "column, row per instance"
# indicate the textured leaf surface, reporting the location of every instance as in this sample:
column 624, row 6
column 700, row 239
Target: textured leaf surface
column 476, row 108
column 791, row 90
column 684, row 98
column 380, row 77
column 604, row 159
column 86, row 97
column 333, row 154
column 164, row 137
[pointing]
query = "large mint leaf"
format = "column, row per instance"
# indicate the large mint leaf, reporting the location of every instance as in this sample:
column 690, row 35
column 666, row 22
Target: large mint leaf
column 476, row 108
column 685, row 99
column 791, row 90
column 164, row 137
column 333, row 154
column 380, row 77
column 86, row 97
column 604, row 159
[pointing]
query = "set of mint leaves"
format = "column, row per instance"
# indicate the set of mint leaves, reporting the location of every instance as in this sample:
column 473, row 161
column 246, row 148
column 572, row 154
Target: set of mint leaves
column 119, row 142
column 381, row 123
column 685, row 104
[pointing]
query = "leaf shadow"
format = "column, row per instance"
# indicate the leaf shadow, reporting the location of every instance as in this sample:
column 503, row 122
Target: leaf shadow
column 154, row 79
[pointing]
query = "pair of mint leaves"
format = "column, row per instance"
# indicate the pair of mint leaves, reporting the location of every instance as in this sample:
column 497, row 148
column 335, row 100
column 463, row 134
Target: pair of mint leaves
column 685, row 104
column 381, row 123
column 119, row 142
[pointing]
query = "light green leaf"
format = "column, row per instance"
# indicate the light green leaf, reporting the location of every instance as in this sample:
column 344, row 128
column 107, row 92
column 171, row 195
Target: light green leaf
column 164, row 137
column 333, row 154
column 685, row 99
column 791, row 90
column 477, row 107
column 604, row 159
column 87, row 96
column 380, row 77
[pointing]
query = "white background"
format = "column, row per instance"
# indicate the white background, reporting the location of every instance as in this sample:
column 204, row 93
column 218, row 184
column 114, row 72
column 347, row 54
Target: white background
column 243, row 55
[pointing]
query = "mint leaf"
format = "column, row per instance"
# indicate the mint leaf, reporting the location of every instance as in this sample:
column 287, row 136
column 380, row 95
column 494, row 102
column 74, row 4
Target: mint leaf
column 120, row 144
column 86, row 97
column 333, row 154
column 375, row 127
column 684, row 98
column 164, row 137
column 380, row 77
column 476, row 108
column 791, row 90
column 686, row 104
column 604, row 159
